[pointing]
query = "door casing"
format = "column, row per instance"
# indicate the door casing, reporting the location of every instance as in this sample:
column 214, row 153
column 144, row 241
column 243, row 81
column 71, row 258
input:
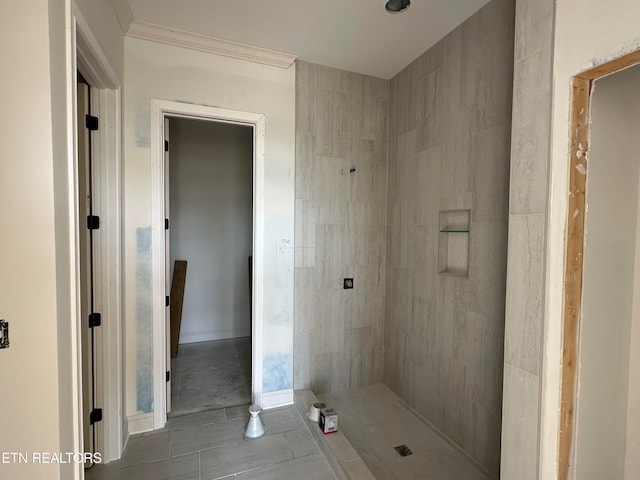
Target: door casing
column 160, row 109
column 88, row 57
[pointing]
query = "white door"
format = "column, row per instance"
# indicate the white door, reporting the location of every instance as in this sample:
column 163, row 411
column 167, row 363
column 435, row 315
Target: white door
column 167, row 254
column 85, row 236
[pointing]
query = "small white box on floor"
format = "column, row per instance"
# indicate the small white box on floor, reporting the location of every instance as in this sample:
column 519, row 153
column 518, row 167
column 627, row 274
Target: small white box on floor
column 328, row 421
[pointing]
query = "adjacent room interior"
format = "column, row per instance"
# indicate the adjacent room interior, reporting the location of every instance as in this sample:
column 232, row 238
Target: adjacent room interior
column 210, row 185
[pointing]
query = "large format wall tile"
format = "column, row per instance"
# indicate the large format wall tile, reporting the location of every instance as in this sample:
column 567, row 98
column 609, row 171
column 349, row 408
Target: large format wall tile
column 445, row 121
column 520, row 419
column 449, row 139
column 524, row 305
column 341, row 202
column 531, row 113
column 527, row 236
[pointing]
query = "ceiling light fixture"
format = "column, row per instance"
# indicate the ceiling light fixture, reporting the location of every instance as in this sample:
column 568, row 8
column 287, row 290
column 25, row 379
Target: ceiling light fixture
column 397, row 6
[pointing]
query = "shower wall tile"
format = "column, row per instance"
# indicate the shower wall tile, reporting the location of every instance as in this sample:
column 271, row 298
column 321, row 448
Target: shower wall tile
column 406, row 95
column 452, row 70
column 328, row 373
column 329, row 255
column 528, row 205
column 306, row 92
column 430, row 108
column 305, row 234
column 534, row 27
column 425, row 261
column 485, row 424
column 305, row 148
column 490, row 176
column 428, row 194
column 455, row 169
column 429, row 61
column 531, row 113
column 449, row 148
column 487, row 267
column 524, row 307
column 329, row 190
column 456, row 405
column 520, row 419
column 486, row 333
column 341, row 184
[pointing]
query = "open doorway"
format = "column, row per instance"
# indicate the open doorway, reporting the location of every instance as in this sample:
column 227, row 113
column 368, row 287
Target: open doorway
column 600, row 397
column 608, row 389
column 161, row 112
column 209, row 200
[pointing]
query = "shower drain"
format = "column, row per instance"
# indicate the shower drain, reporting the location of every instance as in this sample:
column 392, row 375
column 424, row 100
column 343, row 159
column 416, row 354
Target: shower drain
column 403, row 450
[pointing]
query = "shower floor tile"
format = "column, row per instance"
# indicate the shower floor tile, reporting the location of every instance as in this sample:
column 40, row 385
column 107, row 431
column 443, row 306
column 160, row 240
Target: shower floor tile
column 375, row 420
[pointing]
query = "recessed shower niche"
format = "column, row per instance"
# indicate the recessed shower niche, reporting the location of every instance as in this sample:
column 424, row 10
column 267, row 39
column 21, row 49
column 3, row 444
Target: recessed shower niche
column 453, row 242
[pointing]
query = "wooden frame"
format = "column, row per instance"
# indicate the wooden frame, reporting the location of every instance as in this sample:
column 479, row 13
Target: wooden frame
column 581, row 88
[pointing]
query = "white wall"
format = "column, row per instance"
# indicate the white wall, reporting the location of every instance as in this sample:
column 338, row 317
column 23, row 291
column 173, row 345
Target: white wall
column 101, row 16
column 610, row 245
column 211, row 211
column 28, row 276
column 37, row 279
column 156, row 71
column 587, row 32
column 632, row 456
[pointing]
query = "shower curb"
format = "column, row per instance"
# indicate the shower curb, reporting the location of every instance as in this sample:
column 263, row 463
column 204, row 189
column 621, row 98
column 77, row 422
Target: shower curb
column 343, row 459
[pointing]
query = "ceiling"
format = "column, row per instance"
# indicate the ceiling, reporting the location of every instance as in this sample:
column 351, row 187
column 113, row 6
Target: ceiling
column 353, row 35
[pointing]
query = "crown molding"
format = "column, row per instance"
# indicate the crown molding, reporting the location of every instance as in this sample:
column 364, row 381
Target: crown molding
column 208, row 44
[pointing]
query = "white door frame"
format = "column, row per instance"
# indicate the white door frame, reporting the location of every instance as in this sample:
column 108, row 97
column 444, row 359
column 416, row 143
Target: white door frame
column 88, row 57
column 159, row 110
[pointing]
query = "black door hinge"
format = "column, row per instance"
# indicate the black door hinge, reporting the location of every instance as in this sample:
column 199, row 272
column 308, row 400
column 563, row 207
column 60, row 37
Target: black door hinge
column 166, row 301
column 91, row 122
column 93, row 222
column 166, row 224
column 166, row 145
column 95, row 416
column 168, row 376
column 95, row 320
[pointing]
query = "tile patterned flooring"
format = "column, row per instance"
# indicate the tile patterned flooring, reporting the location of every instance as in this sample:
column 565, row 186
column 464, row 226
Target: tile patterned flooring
column 211, row 375
column 375, row 420
column 210, row 445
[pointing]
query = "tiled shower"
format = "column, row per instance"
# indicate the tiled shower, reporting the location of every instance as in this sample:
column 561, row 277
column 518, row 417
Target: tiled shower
column 376, row 163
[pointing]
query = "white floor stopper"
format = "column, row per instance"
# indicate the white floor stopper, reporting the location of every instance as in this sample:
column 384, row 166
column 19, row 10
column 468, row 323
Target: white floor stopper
column 254, row 428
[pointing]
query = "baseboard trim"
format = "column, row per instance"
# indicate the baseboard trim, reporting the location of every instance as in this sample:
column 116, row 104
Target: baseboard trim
column 125, row 435
column 196, row 337
column 277, row 399
column 139, row 423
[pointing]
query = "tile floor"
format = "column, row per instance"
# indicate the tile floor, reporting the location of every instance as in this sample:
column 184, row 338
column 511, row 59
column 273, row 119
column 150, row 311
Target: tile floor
column 375, row 420
column 211, row 375
column 210, row 445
